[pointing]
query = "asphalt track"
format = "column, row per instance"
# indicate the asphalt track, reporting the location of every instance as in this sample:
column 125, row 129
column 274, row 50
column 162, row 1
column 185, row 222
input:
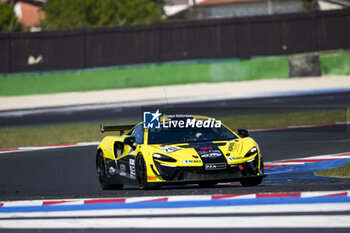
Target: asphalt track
column 117, row 113
column 70, row 172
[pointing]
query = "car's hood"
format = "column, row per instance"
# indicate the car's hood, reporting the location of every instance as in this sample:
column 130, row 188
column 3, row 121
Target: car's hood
column 199, row 153
column 201, row 149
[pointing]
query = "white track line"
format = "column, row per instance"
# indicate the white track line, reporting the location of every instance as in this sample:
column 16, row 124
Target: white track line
column 339, row 221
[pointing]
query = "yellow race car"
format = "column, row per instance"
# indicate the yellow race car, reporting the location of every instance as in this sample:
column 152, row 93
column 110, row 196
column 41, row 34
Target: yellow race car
column 152, row 157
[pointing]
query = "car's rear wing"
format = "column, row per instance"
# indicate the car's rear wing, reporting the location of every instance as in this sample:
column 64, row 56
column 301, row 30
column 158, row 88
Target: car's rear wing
column 120, row 128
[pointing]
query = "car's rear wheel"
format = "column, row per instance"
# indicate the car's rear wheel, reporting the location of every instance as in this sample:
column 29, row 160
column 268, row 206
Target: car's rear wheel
column 102, row 174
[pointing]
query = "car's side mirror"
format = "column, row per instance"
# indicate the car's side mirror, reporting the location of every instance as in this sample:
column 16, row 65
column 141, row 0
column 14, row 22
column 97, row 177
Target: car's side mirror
column 243, row 133
column 130, row 141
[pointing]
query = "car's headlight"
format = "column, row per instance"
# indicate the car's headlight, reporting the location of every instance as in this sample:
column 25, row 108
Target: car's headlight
column 251, row 152
column 163, row 158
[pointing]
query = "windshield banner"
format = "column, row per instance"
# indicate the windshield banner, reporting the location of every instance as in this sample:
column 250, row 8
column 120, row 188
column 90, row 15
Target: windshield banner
column 155, row 119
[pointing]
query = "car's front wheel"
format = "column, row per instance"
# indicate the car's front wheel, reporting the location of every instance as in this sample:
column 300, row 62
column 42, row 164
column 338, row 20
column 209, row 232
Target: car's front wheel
column 141, row 171
column 256, row 180
column 141, row 174
column 102, row 174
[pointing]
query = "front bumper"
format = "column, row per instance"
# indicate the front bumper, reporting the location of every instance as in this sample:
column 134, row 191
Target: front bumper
column 198, row 175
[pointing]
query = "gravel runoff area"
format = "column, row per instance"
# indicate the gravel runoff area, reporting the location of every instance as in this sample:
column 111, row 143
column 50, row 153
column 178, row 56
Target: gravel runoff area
column 177, row 93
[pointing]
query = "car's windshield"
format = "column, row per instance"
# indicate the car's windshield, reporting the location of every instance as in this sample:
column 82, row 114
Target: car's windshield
column 179, row 135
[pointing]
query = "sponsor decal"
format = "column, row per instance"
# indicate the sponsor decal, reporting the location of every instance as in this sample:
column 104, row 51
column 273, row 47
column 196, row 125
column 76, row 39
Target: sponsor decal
column 122, row 169
column 215, row 166
column 230, row 146
column 132, row 167
column 201, row 152
column 231, row 159
column 210, row 154
column 112, row 170
column 192, row 123
column 191, row 161
column 170, row 149
column 151, row 120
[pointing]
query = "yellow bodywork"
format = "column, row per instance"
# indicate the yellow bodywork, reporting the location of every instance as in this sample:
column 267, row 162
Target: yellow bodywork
column 234, row 152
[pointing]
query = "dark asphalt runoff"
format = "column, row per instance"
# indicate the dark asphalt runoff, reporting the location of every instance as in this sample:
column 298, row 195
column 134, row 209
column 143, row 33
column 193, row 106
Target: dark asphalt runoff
column 114, row 113
column 71, row 173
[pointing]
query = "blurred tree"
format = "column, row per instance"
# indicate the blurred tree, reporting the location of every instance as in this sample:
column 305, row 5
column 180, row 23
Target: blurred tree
column 310, row 5
column 8, row 19
column 68, row 14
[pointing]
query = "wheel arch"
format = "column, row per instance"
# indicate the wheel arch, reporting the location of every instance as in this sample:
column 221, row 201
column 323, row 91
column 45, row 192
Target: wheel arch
column 99, row 150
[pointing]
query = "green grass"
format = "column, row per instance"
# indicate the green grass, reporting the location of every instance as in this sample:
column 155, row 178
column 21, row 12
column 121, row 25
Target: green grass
column 49, row 135
column 335, row 63
column 143, row 76
column 337, row 172
column 184, row 72
column 61, row 134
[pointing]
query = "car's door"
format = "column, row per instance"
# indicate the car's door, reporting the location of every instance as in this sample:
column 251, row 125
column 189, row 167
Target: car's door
column 126, row 163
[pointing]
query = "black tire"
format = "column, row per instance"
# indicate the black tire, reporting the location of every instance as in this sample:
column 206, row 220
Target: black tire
column 141, row 174
column 254, row 181
column 262, row 169
column 102, row 174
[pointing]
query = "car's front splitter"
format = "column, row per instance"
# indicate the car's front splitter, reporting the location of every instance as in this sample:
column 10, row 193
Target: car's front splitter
column 208, row 181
